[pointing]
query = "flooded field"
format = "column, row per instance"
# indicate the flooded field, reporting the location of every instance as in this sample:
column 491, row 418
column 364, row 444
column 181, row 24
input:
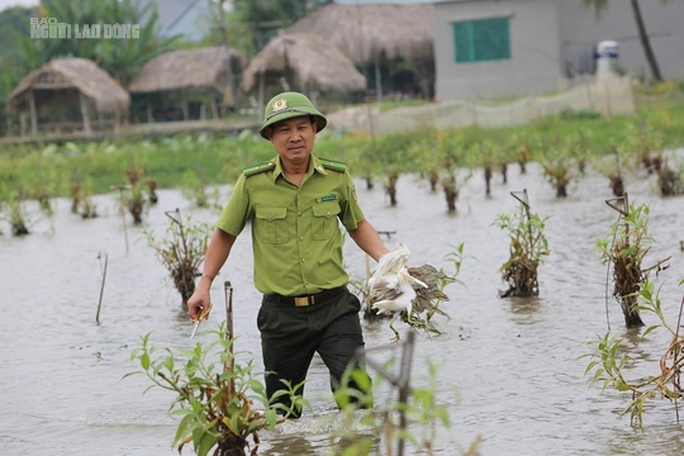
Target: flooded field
column 509, row 369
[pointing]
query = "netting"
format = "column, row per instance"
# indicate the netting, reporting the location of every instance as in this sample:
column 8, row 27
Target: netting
column 608, row 97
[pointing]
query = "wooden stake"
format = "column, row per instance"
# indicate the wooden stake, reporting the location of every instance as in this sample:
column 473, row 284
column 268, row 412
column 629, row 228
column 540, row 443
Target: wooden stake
column 620, row 204
column 230, row 362
column 104, row 277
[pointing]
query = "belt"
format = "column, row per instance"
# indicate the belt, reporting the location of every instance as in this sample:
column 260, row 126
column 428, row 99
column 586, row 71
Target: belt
column 305, row 300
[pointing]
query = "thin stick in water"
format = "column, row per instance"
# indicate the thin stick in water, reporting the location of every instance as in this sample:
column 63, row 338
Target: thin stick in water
column 104, row 277
column 230, row 362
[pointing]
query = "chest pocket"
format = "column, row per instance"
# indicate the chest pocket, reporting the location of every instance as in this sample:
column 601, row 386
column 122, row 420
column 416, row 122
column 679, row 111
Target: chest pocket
column 324, row 222
column 269, row 224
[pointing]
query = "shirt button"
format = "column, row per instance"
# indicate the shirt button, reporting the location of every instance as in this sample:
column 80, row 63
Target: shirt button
column 327, row 213
column 303, row 260
column 301, row 238
column 300, row 214
column 306, row 283
column 318, row 200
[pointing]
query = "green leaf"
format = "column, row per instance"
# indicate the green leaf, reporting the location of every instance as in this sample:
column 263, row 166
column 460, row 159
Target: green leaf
column 622, row 386
column 185, row 427
column 145, row 361
column 649, row 329
column 206, row 443
column 272, row 418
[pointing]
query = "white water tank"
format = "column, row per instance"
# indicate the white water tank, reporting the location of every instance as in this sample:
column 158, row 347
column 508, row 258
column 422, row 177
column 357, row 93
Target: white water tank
column 606, row 59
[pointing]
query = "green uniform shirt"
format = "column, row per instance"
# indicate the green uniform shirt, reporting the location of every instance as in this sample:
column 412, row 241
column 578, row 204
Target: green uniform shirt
column 296, row 237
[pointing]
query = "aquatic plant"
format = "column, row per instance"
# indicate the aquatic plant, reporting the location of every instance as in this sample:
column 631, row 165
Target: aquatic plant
column 181, row 251
column 457, row 172
column 646, row 142
column 193, row 188
column 670, row 177
column 607, row 364
column 527, row 249
column 624, row 249
column 488, row 154
column 519, row 148
column 81, row 201
column 391, row 186
column 215, row 400
column 152, row 185
column 12, row 210
column 428, row 160
column 614, row 166
column 559, row 167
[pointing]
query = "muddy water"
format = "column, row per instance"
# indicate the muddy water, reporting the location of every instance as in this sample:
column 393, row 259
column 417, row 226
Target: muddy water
column 508, row 368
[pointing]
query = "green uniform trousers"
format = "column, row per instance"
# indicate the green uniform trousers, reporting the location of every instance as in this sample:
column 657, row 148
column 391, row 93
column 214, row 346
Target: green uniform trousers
column 291, row 335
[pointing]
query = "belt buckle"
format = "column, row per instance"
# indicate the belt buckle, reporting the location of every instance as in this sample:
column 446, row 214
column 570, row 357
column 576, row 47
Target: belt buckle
column 301, row 301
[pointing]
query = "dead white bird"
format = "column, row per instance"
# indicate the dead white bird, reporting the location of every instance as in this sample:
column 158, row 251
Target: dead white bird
column 395, row 292
column 391, row 288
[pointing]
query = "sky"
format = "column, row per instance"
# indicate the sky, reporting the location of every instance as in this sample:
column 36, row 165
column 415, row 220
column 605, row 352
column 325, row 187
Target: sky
column 5, row 3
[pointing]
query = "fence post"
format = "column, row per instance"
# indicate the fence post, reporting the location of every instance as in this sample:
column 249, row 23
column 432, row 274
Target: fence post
column 104, row 277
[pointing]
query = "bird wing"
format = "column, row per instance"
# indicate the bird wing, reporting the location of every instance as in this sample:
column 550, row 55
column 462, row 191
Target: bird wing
column 384, row 288
column 403, row 300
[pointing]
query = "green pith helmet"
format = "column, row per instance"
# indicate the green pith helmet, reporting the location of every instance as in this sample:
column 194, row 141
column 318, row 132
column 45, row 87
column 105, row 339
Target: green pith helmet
column 288, row 105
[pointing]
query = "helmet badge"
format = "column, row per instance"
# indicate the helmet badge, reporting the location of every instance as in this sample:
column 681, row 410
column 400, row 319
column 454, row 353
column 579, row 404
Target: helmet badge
column 280, row 104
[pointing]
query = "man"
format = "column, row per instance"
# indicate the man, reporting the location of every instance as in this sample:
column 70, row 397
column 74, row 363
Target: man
column 294, row 202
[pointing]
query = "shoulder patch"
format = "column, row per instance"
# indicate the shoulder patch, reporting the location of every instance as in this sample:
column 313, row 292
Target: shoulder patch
column 260, row 168
column 333, row 165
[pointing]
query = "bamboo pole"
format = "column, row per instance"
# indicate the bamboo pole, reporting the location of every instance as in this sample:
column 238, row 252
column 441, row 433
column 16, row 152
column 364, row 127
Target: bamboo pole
column 230, row 361
column 104, row 277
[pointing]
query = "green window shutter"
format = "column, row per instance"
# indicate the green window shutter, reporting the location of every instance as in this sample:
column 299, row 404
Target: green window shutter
column 482, row 40
column 463, row 41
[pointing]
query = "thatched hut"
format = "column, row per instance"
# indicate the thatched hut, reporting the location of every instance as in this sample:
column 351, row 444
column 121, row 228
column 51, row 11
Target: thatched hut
column 64, row 82
column 368, row 34
column 207, row 71
column 307, row 60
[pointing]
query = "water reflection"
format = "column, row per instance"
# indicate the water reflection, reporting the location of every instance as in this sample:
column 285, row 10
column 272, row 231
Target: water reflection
column 287, row 446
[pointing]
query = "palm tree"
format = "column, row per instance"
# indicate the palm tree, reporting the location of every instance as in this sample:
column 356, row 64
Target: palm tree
column 121, row 58
column 601, row 5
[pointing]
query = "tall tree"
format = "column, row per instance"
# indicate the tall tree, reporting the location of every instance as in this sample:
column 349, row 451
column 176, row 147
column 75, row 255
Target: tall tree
column 14, row 24
column 121, row 58
column 599, row 6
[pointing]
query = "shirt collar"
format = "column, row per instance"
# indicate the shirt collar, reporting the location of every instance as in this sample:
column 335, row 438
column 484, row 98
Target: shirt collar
column 315, row 164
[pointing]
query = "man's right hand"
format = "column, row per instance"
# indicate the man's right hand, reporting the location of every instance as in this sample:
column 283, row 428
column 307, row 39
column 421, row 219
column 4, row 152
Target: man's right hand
column 199, row 301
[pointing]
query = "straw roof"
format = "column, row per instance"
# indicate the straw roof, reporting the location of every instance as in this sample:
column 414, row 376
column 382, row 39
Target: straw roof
column 61, row 80
column 190, row 68
column 314, row 63
column 365, row 32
